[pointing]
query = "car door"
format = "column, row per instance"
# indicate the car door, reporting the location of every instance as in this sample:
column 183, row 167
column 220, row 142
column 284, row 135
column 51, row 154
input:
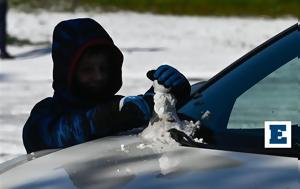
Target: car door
column 264, row 85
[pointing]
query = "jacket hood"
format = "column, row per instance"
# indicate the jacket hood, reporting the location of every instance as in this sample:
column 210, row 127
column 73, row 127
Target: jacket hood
column 70, row 39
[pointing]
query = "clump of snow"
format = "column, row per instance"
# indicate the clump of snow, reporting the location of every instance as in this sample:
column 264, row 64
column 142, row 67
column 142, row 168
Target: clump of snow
column 143, row 146
column 205, row 115
column 199, row 140
column 123, row 148
column 167, row 165
column 128, row 170
column 166, row 118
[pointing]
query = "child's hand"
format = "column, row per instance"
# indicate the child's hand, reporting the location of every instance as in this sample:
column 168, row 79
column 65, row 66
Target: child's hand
column 167, row 76
column 171, row 78
column 133, row 102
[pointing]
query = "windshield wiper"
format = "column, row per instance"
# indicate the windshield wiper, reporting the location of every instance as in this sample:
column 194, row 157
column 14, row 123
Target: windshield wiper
column 184, row 139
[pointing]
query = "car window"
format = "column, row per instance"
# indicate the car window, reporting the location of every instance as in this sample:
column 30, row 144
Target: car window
column 274, row 98
column 225, row 99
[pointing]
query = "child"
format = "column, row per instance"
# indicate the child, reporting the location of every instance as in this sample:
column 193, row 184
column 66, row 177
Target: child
column 86, row 76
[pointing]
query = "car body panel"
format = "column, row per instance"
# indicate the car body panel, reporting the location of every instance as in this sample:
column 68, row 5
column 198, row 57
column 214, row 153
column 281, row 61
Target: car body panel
column 121, row 162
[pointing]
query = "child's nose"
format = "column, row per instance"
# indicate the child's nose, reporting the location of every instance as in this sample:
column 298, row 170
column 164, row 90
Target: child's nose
column 96, row 76
column 99, row 75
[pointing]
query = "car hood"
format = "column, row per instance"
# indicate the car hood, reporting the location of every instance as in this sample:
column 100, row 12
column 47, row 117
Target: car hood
column 131, row 162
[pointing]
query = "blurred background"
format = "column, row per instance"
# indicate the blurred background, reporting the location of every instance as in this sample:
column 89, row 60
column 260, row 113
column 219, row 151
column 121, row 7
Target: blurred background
column 270, row 8
column 198, row 37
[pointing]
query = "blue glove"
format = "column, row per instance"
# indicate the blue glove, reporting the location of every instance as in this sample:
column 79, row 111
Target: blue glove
column 138, row 102
column 167, row 76
column 172, row 78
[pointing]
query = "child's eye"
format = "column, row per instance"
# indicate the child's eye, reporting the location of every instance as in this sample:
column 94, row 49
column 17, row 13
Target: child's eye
column 86, row 69
column 104, row 68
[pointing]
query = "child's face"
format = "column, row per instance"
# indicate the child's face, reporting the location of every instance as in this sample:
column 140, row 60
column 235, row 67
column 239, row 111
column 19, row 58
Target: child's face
column 95, row 75
column 93, row 71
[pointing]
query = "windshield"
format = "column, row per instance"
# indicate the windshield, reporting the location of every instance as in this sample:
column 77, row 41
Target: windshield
column 276, row 97
column 263, row 87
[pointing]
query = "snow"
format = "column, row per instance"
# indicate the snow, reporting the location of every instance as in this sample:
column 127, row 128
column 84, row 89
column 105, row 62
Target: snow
column 166, row 165
column 143, row 146
column 199, row 140
column 123, row 149
column 205, row 115
column 165, row 118
column 197, row 46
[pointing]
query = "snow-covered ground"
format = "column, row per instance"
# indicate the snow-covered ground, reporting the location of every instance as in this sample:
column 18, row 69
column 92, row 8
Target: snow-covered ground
column 198, row 46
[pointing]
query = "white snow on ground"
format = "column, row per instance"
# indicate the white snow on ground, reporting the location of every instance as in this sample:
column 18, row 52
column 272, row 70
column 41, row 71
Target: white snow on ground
column 198, row 46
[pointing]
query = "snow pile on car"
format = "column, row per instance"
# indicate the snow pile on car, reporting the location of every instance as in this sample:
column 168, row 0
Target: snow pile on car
column 165, row 118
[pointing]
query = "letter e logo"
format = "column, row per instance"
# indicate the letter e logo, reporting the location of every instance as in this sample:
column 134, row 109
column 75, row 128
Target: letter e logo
column 278, row 134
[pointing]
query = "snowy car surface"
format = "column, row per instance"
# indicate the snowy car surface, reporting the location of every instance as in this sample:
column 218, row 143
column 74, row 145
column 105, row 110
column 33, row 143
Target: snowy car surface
column 261, row 86
column 129, row 162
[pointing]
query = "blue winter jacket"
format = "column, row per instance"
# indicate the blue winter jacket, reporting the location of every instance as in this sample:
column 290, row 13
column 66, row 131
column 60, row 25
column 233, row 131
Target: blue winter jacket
column 66, row 119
